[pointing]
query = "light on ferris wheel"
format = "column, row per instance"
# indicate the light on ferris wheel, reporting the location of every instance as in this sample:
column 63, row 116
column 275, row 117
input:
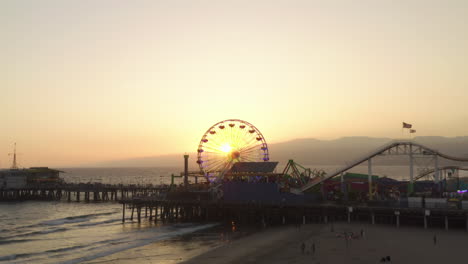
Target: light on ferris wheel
column 226, row 148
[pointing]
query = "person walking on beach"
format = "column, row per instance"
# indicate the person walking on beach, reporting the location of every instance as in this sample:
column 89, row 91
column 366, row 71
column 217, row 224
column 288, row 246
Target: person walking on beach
column 303, row 248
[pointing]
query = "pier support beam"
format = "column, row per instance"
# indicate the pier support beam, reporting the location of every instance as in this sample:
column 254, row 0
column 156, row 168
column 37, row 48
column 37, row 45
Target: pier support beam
column 373, row 218
column 397, row 213
column 123, row 213
column 425, row 222
column 350, row 209
column 139, row 214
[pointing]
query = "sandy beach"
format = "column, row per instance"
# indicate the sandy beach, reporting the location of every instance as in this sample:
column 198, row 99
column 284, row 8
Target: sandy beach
column 277, row 245
column 283, row 245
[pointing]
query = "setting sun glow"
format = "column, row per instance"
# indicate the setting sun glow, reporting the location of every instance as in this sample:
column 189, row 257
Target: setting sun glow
column 226, row 148
column 98, row 81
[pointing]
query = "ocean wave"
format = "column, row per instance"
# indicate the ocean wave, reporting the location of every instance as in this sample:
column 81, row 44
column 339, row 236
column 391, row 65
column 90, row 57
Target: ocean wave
column 136, row 243
column 41, row 232
column 99, row 223
column 8, row 257
column 57, row 250
column 5, row 242
column 63, row 221
column 61, row 252
column 35, row 254
column 74, row 219
column 89, row 215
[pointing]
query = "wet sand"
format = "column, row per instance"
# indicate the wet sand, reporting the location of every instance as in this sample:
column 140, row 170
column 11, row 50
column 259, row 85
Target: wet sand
column 170, row 251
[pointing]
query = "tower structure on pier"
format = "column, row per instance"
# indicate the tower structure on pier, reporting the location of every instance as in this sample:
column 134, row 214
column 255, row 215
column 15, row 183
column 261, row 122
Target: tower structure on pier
column 14, row 165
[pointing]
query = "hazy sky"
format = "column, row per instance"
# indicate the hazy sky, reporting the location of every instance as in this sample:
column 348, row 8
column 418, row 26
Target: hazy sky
column 85, row 81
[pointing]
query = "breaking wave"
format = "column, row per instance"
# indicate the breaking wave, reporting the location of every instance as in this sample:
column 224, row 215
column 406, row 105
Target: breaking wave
column 74, row 219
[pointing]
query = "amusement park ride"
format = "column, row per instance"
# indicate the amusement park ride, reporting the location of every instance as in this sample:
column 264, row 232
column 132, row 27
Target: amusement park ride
column 229, row 142
column 236, row 149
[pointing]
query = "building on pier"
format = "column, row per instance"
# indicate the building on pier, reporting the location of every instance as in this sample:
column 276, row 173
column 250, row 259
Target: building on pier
column 13, row 179
column 21, row 178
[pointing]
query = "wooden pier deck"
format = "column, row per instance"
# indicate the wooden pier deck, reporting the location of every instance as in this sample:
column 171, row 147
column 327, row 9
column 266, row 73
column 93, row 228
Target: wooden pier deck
column 153, row 209
column 81, row 192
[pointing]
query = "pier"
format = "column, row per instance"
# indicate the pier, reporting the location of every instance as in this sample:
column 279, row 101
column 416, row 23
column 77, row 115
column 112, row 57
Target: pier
column 82, row 192
column 151, row 209
column 246, row 196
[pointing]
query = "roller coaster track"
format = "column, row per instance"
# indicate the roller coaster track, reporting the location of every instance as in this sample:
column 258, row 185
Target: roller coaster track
column 430, row 171
column 392, row 148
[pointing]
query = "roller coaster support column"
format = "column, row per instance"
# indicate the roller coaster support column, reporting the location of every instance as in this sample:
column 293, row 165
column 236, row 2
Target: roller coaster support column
column 186, row 170
column 411, row 184
column 369, row 167
column 436, row 173
column 342, row 182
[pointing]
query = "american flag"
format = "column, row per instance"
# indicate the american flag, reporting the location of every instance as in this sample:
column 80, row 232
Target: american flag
column 406, row 125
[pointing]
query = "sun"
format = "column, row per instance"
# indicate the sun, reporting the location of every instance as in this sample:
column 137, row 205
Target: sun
column 226, row 148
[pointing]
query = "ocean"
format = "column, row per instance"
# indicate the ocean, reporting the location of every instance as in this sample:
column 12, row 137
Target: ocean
column 74, row 232
column 162, row 175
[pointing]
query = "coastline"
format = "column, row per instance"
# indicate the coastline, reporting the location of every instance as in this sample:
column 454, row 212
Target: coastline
column 175, row 249
column 282, row 244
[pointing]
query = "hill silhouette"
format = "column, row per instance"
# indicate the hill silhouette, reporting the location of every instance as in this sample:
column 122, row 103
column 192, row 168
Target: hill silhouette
column 310, row 151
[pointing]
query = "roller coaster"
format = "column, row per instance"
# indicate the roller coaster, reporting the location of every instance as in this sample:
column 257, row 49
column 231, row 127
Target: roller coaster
column 441, row 169
column 410, row 148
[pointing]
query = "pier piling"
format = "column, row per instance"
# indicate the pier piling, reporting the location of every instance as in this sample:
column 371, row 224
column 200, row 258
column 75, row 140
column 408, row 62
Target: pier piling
column 123, row 212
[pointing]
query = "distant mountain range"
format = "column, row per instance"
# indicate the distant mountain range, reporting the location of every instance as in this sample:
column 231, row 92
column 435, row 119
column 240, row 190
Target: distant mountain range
column 311, row 151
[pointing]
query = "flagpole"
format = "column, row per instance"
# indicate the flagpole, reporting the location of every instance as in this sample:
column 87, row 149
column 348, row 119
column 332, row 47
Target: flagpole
column 402, row 133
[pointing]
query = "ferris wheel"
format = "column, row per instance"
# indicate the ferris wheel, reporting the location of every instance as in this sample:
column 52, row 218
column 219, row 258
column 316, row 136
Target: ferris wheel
column 228, row 142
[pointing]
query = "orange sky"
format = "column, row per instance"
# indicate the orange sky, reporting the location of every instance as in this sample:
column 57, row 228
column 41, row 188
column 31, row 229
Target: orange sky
column 84, row 81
